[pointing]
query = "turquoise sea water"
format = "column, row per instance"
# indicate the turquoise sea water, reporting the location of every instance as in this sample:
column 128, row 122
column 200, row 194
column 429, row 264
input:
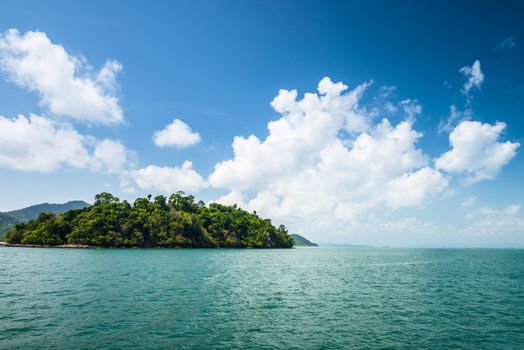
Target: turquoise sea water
column 305, row 298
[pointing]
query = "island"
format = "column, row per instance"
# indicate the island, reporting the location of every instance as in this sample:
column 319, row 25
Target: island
column 301, row 241
column 178, row 221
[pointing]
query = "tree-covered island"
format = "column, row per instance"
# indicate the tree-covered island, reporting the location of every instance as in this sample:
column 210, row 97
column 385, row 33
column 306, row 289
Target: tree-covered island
column 159, row 222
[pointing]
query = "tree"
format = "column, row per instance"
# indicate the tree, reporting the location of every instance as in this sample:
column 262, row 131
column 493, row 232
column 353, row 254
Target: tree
column 177, row 222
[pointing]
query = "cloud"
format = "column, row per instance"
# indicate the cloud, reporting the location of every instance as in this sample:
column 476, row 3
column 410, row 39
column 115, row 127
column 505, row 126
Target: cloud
column 506, row 45
column 66, row 84
column 455, row 117
column 474, row 77
column 177, row 134
column 167, row 179
column 385, row 91
column 405, row 226
column 296, row 139
column 40, row 144
column 469, row 202
column 512, row 209
column 110, row 156
column 476, row 152
column 411, row 189
column 326, row 160
column 497, row 222
column 390, row 108
column 412, row 109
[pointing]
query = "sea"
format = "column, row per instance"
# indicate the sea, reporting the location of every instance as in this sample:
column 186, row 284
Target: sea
column 302, row 298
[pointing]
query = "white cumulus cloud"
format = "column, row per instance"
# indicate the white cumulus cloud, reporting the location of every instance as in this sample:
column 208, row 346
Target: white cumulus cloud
column 325, row 160
column 476, row 151
column 110, row 156
column 412, row 189
column 167, row 179
column 66, row 84
column 177, row 134
column 40, row 144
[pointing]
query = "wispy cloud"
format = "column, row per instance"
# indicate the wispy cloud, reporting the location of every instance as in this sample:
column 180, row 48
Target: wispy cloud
column 474, row 77
column 455, row 117
column 506, row 45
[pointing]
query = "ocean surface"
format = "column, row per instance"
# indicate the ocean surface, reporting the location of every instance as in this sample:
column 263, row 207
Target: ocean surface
column 304, row 298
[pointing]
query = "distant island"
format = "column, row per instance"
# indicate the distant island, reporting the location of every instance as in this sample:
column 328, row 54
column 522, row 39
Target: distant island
column 301, row 241
column 179, row 221
column 10, row 218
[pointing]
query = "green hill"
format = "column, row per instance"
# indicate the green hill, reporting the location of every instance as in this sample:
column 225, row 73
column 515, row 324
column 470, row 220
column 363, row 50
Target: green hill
column 301, row 241
column 6, row 222
column 11, row 218
column 159, row 222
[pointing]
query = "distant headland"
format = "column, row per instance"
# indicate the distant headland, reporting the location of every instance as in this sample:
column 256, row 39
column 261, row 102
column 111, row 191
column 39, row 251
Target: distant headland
column 178, row 222
column 9, row 219
column 301, row 241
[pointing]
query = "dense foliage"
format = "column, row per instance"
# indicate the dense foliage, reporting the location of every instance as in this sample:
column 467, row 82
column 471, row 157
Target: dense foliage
column 11, row 218
column 177, row 222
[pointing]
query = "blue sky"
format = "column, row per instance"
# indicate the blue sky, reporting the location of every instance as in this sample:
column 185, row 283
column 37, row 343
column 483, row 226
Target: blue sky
column 217, row 66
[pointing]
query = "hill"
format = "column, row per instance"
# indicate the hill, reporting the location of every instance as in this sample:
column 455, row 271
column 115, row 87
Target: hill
column 11, row 218
column 301, row 241
column 159, row 222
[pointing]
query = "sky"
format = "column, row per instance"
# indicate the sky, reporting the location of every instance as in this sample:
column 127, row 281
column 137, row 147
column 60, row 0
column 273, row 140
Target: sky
column 376, row 122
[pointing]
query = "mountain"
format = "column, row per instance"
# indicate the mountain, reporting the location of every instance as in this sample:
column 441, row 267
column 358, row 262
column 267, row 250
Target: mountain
column 301, row 241
column 11, row 218
column 6, row 221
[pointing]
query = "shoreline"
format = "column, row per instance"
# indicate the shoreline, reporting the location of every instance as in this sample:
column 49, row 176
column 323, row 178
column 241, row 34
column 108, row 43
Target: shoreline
column 66, row 246
column 84, row 246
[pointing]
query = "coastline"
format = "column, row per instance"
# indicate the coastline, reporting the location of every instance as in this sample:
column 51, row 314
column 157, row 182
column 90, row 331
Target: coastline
column 84, row 246
column 66, row 246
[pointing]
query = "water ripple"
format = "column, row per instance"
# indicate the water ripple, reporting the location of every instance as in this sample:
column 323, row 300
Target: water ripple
column 261, row 299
